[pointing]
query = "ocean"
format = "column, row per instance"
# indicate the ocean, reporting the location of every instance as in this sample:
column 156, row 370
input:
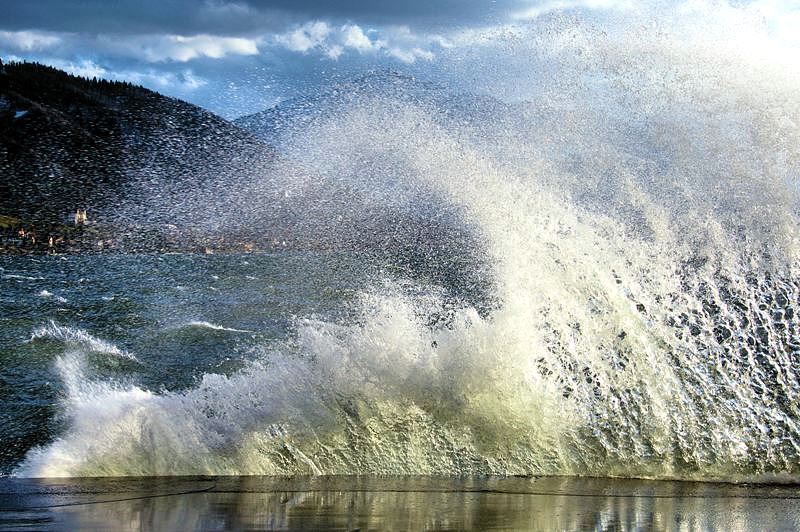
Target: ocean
column 597, row 279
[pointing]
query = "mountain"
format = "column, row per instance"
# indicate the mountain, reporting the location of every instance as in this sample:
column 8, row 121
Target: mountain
column 69, row 143
column 295, row 113
column 94, row 164
column 479, row 114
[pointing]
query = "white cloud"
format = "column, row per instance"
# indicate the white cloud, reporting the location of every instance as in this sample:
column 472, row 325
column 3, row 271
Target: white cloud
column 403, row 44
column 410, row 56
column 84, row 68
column 159, row 48
column 184, row 81
column 146, row 48
column 187, row 80
column 335, row 51
column 354, row 37
column 307, row 37
column 397, row 42
column 28, row 41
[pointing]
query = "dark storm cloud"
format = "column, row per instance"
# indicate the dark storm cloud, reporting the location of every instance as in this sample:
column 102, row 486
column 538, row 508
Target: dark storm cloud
column 427, row 12
column 232, row 17
column 138, row 16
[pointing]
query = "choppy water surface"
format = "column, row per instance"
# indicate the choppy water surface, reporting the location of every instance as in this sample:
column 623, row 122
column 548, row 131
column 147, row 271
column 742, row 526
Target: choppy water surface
column 598, row 280
column 156, row 322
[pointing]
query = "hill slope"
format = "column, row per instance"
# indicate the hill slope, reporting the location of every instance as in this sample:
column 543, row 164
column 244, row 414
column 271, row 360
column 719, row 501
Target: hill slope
column 68, row 143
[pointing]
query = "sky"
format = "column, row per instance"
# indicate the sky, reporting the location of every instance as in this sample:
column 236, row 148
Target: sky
column 237, row 57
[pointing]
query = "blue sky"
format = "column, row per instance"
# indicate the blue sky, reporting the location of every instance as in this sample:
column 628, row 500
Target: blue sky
column 240, row 56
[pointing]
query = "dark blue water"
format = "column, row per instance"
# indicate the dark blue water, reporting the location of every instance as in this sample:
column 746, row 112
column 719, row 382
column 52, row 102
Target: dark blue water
column 177, row 316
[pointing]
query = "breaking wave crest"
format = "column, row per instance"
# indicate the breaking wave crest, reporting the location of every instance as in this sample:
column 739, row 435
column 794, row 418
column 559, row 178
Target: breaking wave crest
column 640, row 228
column 78, row 339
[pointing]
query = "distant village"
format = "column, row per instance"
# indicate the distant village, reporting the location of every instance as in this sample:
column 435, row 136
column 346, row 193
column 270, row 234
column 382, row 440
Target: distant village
column 79, row 234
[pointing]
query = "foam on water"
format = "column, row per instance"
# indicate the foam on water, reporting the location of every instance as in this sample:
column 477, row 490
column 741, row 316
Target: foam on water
column 200, row 324
column 47, row 294
column 640, row 223
column 22, row 277
column 77, row 339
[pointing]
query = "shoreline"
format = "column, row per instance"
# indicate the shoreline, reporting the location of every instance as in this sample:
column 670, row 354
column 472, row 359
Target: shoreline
column 393, row 503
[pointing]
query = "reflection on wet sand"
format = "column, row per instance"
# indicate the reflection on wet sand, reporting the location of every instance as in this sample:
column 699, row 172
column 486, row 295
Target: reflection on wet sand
column 392, row 503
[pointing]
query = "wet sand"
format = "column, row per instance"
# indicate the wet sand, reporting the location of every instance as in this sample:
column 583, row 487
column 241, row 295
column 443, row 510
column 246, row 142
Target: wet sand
column 392, row 503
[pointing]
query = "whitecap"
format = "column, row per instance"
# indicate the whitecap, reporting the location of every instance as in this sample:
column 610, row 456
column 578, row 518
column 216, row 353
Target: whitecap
column 78, row 338
column 200, row 324
column 22, row 277
column 49, row 294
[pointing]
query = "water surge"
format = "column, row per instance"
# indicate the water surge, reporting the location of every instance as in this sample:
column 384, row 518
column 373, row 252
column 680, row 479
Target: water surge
column 638, row 220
